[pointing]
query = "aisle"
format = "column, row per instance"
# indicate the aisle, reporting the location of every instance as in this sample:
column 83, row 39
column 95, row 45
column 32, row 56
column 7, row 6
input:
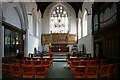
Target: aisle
column 60, row 70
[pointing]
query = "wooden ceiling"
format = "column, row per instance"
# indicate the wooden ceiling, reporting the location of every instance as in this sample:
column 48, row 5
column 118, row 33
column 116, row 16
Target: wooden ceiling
column 43, row 5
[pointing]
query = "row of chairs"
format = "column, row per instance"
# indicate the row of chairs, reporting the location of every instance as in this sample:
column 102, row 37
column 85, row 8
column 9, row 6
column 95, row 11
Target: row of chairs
column 87, row 62
column 35, row 58
column 32, row 62
column 96, row 71
column 83, row 58
column 92, row 68
column 25, row 71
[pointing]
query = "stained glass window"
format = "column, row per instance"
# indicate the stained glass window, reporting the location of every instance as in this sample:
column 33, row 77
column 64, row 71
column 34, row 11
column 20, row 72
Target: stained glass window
column 59, row 20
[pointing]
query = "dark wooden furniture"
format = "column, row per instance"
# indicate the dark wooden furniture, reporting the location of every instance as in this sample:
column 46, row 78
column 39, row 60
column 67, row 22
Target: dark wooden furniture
column 60, row 48
column 106, row 29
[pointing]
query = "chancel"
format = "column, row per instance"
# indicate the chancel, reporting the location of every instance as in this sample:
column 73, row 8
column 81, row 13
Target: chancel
column 59, row 39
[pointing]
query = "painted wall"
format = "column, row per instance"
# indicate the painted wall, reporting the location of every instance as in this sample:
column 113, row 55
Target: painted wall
column 87, row 40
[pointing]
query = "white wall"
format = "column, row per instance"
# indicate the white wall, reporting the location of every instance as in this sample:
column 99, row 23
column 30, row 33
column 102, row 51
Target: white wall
column 46, row 47
column 87, row 40
column 34, row 31
column 31, row 9
column 12, row 13
column 39, row 30
column 32, row 42
column 70, row 48
column 1, row 41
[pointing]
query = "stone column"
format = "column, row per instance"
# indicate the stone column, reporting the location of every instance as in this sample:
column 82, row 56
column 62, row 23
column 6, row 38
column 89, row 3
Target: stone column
column 1, row 40
column 26, row 54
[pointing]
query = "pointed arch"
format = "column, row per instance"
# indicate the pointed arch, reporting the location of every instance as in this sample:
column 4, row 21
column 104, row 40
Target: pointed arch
column 59, row 21
column 79, row 28
column 85, row 23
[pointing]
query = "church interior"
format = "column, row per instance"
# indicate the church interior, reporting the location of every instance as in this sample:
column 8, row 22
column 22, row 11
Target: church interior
column 59, row 40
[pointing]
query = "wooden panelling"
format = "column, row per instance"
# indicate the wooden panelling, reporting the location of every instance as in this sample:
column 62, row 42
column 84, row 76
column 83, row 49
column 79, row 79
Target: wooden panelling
column 60, row 48
column 72, row 38
column 59, row 38
column 108, row 32
column 46, row 38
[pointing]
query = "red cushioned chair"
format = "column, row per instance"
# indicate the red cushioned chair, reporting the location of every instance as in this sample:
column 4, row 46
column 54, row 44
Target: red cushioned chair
column 22, row 62
column 116, row 70
column 103, row 71
column 3, row 69
column 85, row 58
column 38, row 63
column 92, row 63
column 73, row 65
column 7, row 68
column 42, row 59
column 111, row 68
column 15, row 61
column 46, row 64
column 16, row 70
column 40, row 72
column 79, row 72
column 28, row 71
column 70, row 59
column 77, row 59
column 91, row 72
column 29, row 63
column 84, row 62
column 50, row 59
column 29, row 58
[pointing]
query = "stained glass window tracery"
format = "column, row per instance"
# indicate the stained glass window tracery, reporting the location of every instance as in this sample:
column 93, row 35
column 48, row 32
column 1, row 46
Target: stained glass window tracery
column 59, row 20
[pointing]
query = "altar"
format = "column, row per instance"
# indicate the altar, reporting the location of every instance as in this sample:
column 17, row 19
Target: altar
column 59, row 42
column 60, row 48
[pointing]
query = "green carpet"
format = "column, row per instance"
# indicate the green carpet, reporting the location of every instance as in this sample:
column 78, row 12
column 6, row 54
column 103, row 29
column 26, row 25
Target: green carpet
column 60, row 70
